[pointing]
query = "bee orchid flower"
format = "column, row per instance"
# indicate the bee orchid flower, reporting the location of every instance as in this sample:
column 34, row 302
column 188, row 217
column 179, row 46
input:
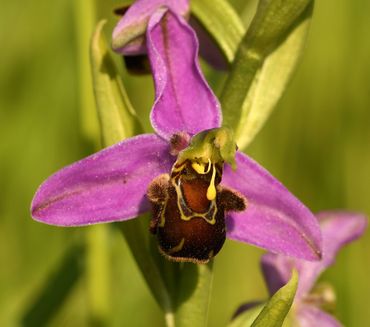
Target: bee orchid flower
column 311, row 303
column 199, row 188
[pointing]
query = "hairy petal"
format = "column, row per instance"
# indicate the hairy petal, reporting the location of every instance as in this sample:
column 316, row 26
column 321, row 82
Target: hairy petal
column 309, row 316
column 107, row 186
column 129, row 34
column 274, row 218
column 338, row 228
column 183, row 100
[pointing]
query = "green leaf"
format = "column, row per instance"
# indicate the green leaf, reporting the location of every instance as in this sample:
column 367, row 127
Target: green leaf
column 193, row 295
column 116, row 115
column 221, row 21
column 263, row 65
column 277, row 308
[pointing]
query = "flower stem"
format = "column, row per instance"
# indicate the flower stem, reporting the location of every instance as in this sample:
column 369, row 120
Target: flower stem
column 194, row 295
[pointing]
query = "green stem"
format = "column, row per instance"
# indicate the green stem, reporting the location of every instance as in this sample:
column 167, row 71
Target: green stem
column 194, row 295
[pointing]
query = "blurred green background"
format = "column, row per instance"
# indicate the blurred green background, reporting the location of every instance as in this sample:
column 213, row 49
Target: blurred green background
column 317, row 143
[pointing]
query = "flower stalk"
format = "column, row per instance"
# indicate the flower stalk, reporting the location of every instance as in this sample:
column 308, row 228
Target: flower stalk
column 194, row 295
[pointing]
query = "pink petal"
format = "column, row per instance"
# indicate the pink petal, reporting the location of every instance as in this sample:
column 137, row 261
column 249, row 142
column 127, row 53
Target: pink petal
column 107, row 186
column 183, row 100
column 274, row 218
column 338, row 229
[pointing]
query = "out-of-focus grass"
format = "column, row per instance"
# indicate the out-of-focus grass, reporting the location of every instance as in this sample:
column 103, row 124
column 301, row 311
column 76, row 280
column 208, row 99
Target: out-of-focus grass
column 317, row 142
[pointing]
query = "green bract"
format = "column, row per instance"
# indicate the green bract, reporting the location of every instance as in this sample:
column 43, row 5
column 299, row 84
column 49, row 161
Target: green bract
column 274, row 312
column 277, row 308
column 263, row 65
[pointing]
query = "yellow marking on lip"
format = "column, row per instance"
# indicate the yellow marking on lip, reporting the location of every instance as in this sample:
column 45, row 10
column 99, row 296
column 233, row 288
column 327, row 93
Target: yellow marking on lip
column 211, row 191
column 177, row 248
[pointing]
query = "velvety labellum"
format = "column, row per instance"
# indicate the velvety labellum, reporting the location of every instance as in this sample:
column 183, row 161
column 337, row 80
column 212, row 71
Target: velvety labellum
column 138, row 64
column 189, row 208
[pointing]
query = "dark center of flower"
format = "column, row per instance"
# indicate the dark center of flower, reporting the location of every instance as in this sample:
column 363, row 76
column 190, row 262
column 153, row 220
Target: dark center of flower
column 189, row 205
